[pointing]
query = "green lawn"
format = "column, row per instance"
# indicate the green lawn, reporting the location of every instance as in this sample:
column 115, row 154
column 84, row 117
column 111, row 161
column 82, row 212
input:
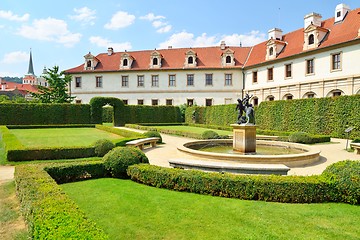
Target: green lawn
column 128, row 210
column 61, row 137
column 191, row 129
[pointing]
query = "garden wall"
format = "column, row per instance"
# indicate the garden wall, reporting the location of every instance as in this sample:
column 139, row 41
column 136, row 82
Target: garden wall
column 328, row 116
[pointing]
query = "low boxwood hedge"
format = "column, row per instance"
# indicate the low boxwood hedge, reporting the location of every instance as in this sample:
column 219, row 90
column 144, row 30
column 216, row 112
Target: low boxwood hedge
column 291, row 189
column 49, row 213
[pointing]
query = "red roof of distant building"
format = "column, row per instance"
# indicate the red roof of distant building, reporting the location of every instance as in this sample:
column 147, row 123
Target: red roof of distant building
column 9, row 86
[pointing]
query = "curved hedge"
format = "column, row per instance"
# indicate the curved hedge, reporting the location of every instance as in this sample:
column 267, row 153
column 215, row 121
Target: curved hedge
column 97, row 103
column 291, row 189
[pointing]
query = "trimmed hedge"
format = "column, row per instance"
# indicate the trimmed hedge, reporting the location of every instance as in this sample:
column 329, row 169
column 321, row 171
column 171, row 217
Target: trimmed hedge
column 291, row 189
column 119, row 131
column 49, row 213
column 326, row 116
column 44, row 114
column 152, row 114
column 166, row 131
column 51, row 126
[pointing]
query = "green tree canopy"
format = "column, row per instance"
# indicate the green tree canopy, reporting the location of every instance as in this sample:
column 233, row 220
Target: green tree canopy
column 57, row 89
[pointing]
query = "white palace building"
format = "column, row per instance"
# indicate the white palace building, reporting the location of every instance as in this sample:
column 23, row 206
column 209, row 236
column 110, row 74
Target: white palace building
column 320, row 60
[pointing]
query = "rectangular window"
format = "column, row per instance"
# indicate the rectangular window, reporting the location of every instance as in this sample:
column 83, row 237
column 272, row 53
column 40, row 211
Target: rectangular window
column 208, row 102
column 172, row 80
column 125, row 101
column 124, row 81
column 254, row 77
column 78, row 82
column 228, row 101
column 336, row 61
column 228, row 79
column 140, row 80
column 140, row 101
column 208, row 79
column 169, row 102
column 154, row 102
column 310, row 66
column 190, row 80
column 288, row 72
column 270, row 74
column 256, row 101
column 190, row 102
column 78, row 101
column 99, row 82
column 155, row 80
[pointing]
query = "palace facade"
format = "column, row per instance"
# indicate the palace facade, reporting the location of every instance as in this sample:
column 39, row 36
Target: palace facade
column 319, row 60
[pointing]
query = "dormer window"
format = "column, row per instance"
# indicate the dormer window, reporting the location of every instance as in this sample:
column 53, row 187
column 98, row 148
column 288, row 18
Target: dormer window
column 271, row 51
column 311, row 39
column 190, row 59
column 90, row 62
column 228, row 58
column 155, row 59
column 126, row 61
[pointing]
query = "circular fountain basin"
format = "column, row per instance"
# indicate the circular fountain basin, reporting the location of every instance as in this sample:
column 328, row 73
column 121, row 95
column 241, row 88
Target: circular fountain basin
column 289, row 154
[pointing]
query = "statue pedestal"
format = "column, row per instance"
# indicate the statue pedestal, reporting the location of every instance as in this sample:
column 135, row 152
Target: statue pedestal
column 244, row 138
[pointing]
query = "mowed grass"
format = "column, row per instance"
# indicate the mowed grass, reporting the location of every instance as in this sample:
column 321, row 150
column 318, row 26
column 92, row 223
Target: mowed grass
column 191, row 129
column 61, row 137
column 129, row 210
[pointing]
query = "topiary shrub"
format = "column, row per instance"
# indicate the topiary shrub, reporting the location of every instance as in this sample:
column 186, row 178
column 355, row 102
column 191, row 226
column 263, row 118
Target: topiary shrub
column 209, row 134
column 300, row 137
column 153, row 134
column 118, row 159
column 103, row 146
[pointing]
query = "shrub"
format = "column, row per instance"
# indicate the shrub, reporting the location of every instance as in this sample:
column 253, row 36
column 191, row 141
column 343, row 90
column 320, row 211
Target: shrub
column 209, row 134
column 103, row 146
column 118, row 159
column 302, row 137
column 149, row 134
column 345, row 176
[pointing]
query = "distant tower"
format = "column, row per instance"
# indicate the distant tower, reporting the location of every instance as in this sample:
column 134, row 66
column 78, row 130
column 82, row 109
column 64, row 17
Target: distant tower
column 30, row 77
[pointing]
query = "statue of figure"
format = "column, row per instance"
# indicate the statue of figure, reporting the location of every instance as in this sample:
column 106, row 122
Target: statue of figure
column 244, row 105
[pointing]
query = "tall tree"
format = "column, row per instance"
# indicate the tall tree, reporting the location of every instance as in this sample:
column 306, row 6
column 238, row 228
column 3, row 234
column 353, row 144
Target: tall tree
column 57, row 89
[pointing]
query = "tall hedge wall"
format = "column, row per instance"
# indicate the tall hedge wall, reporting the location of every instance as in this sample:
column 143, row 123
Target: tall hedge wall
column 43, row 114
column 152, row 114
column 328, row 116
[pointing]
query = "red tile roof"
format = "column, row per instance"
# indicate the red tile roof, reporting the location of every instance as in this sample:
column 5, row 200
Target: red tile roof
column 9, row 86
column 174, row 58
column 210, row 57
column 341, row 32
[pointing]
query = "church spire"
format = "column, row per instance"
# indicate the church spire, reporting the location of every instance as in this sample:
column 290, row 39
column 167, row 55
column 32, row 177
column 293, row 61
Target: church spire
column 31, row 67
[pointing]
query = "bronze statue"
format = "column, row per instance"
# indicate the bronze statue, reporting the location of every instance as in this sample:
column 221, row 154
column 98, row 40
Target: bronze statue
column 244, row 105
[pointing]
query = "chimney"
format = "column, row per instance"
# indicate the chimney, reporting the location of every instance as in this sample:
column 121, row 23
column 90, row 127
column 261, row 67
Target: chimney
column 3, row 85
column 275, row 33
column 340, row 12
column 110, row 51
column 222, row 45
column 312, row 18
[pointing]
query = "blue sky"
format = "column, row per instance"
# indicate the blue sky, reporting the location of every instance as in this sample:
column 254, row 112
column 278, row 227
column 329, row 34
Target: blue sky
column 62, row 32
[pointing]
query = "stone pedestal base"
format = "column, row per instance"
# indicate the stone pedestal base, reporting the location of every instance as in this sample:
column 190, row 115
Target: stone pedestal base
column 244, row 138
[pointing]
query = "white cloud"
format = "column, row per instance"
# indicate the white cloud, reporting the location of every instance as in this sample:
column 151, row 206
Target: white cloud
column 185, row 39
column 151, row 17
column 84, row 15
column 120, row 20
column 158, row 24
column 165, row 29
column 9, row 15
column 50, row 29
column 15, row 57
column 105, row 43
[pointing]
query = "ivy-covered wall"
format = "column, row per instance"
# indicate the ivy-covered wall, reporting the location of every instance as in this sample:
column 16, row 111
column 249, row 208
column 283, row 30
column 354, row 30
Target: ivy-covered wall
column 44, row 114
column 328, row 116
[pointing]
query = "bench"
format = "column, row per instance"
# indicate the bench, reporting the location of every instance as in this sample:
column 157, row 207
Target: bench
column 356, row 146
column 242, row 168
column 141, row 142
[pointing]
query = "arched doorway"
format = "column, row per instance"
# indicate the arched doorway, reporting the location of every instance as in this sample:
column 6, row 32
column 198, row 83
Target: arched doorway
column 97, row 104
